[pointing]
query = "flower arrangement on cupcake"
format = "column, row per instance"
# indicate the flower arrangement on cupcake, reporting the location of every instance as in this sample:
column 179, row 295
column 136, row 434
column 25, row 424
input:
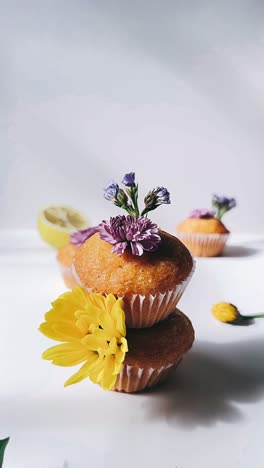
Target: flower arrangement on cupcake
column 131, row 275
column 134, row 231
column 203, row 232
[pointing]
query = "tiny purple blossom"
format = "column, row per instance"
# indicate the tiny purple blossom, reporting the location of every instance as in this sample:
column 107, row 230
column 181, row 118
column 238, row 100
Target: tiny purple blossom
column 111, row 190
column 162, row 196
column 224, row 201
column 79, row 237
column 202, row 214
column 129, row 179
column 222, row 204
column 127, row 231
column 232, row 203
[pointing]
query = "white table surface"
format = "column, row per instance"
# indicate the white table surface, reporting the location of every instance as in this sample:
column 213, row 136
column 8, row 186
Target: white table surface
column 209, row 415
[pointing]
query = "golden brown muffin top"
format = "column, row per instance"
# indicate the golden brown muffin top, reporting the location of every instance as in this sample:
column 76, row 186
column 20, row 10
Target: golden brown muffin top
column 202, row 226
column 66, row 254
column 160, row 345
column 105, row 272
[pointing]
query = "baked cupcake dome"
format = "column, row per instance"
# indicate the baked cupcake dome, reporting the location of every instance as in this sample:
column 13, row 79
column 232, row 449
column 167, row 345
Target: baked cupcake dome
column 155, row 352
column 151, row 285
column 202, row 226
column 65, row 257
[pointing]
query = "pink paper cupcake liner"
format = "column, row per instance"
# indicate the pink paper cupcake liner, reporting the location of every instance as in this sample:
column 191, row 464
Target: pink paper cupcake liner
column 203, row 245
column 134, row 379
column 143, row 311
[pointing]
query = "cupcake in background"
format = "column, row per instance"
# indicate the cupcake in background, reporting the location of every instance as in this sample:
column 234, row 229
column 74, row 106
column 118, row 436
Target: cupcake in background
column 66, row 255
column 204, row 233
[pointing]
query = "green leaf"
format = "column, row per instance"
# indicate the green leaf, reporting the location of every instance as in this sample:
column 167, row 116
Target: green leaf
column 3, row 444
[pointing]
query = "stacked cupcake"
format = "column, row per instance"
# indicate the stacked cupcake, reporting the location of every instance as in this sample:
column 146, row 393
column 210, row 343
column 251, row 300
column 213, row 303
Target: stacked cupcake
column 131, row 276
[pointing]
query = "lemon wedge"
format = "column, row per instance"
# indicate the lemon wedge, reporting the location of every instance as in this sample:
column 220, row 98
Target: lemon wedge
column 56, row 223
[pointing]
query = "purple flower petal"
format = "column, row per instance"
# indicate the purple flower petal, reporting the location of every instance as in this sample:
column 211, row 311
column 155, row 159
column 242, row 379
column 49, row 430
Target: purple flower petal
column 111, row 190
column 129, row 179
column 202, row 214
column 119, row 248
column 79, row 237
column 137, row 248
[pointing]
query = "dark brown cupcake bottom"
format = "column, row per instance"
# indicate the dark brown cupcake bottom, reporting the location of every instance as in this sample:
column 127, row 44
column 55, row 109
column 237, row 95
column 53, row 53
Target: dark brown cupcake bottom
column 155, row 352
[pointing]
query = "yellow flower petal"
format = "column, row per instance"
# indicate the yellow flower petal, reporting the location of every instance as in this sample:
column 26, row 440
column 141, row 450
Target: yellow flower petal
column 66, row 354
column 83, row 372
column 119, row 316
column 93, row 342
column 65, row 306
column 90, row 312
column 83, row 324
column 97, row 370
column 97, row 300
column 61, row 331
column 109, row 378
column 109, row 303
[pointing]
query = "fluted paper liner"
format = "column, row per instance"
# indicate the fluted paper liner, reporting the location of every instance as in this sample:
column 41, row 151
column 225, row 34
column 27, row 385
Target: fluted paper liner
column 203, row 245
column 144, row 311
column 134, row 379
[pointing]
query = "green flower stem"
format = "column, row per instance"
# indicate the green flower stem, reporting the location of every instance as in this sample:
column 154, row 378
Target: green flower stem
column 132, row 192
column 129, row 210
column 134, row 198
column 146, row 210
column 220, row 213
column 249, row 317
column 3, row 444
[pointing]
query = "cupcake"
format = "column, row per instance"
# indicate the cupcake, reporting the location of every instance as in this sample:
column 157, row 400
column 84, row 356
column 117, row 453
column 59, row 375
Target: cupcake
column 151, row 284
column 204, row 233
column 121, row 323
column 66, row 255
column 92, row 331
column 154, row 353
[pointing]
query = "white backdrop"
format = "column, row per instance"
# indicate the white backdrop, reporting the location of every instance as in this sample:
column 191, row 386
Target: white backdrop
column 90, row 90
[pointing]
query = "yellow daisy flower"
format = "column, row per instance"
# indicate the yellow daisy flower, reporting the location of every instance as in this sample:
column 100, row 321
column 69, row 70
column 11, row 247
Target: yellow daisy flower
column 92, row 330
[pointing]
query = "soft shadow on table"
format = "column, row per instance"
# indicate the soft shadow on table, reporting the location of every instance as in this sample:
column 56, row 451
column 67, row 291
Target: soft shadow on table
column 235, row 251
column 209, row 383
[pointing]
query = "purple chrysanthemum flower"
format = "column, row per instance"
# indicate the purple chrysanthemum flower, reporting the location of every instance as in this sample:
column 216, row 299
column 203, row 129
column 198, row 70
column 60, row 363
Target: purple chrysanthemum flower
column 126, row 231
column 129, row 179
column 79, row 237
column 202, row 214
column 111, row 190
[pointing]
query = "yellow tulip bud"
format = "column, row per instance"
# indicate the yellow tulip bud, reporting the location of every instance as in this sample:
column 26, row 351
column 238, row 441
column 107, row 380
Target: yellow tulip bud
column 225, row 312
